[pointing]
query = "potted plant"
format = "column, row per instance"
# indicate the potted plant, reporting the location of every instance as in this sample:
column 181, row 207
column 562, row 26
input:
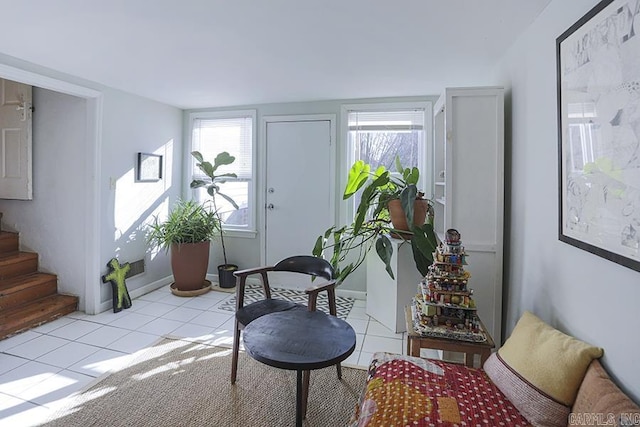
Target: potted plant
column 187, row 232
column 381, row 193
column 212, row 183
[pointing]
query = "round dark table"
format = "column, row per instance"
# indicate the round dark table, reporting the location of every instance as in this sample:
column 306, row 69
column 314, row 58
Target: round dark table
column 299, row 340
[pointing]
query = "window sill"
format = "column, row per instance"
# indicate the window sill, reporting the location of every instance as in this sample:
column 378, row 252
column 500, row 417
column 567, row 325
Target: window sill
column 243, row 234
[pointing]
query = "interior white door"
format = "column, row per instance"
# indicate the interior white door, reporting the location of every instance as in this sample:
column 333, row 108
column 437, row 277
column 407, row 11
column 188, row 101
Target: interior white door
column 299, row 186
column 15, row 140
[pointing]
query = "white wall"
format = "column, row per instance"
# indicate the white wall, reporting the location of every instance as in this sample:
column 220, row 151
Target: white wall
column 51, row 224
column 246, row 251
column 128, row 124
column 132, row 124
column 581, row 294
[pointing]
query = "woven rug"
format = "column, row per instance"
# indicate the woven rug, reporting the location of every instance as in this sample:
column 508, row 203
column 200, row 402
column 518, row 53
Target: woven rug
column 180, row 383
column 253, row 292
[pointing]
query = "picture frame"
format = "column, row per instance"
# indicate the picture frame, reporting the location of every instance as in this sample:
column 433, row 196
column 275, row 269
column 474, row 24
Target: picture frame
column 149, row 167
column 598, row 91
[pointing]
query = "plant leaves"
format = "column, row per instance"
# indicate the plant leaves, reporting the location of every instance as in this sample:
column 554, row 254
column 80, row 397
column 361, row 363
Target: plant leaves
column 198, row 156
column 197, row 183
column 342, row 274
column 407, row 199
column 399, row 167
column 358, row 175
column 385, row 251
column 363, row 207
column 413, row 176
column 229, row 199
column 207, row 169
column 422, row 263
column 212, row 190
column 223, row 158
column 424, row 240
column 317, row 248
column 225, row 175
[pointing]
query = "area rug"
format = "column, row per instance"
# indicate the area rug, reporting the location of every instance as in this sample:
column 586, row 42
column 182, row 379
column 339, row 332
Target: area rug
column 253, row 292
column 181, row 383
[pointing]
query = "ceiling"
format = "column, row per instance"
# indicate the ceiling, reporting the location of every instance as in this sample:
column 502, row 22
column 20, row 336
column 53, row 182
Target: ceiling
column 209, row 53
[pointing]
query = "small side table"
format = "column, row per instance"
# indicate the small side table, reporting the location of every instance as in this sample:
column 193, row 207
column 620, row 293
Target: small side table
column 299, row 340
column 415, row 342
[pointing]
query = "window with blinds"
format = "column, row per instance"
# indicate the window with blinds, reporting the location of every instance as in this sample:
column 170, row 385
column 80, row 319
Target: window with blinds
column 377, row 137
column 232, row 132
column 377, row 133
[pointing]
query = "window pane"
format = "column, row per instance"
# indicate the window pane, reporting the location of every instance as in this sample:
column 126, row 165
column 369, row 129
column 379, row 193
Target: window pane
column 239, row 192
column 378, row 136
column 381, row 148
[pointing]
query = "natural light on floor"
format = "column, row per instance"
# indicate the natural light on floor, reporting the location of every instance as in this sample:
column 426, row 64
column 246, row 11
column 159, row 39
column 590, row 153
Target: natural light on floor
column 45, row 372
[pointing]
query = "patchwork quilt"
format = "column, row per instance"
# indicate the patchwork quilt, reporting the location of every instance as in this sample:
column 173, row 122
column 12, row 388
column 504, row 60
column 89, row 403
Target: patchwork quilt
column 410, row 391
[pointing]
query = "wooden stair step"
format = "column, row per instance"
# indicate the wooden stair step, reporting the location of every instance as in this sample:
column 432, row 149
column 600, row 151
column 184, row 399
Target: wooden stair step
column 30, row 315
column 8, row 242
column 17, row 263
column 22, row 289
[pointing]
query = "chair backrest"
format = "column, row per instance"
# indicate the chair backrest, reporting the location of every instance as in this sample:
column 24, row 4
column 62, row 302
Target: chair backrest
column 306, row 264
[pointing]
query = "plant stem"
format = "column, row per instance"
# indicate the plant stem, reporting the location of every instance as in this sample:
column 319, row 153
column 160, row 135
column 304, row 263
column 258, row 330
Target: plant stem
column 224, row 250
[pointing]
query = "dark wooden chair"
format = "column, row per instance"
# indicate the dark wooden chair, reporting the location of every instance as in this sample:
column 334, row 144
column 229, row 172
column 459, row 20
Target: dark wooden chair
column 245, row 314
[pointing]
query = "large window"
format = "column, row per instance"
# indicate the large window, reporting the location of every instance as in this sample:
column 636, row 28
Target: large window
column 234, row 132
column 377, row 133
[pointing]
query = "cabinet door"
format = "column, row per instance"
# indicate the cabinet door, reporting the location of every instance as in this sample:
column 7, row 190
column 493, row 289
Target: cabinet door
column 469, row 174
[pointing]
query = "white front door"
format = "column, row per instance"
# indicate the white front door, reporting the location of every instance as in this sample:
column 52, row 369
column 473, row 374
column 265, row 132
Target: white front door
column 15, row 140
column 299, row 189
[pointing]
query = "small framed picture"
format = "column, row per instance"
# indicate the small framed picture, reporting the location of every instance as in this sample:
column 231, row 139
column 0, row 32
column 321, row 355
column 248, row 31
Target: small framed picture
column 149, row 167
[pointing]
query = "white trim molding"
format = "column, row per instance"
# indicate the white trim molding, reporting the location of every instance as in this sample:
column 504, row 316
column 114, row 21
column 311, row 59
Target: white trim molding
column 90, row 301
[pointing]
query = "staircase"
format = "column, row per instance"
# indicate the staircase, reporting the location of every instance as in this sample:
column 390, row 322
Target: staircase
column 27, row 298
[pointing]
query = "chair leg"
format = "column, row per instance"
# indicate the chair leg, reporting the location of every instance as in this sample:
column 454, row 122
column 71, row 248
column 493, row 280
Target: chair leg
column 236, row 349
column 339, row 368
column 305, row 392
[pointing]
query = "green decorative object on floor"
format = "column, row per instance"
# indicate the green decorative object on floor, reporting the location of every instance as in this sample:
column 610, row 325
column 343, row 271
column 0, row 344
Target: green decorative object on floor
column 116, row 276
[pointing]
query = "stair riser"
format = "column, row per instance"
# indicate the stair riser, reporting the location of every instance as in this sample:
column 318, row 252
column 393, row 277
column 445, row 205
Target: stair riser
column 22, row 323
column 9, row 244
column 18, row 268
column 27, row 298
column 28, row 294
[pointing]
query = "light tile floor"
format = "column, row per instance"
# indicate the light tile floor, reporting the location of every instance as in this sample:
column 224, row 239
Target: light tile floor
column 42, row 366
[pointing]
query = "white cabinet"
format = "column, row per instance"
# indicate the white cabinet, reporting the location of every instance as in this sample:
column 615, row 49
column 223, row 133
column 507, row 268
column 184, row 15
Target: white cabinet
column 468, row 188
column 387, row 297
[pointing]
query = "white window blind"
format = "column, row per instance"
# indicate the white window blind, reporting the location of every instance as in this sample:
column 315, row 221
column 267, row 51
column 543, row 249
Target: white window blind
column 393, row 121
column 234, row 135
column 378, row 133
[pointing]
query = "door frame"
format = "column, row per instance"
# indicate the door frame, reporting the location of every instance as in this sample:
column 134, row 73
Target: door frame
column 91, row 205
column 262, row 155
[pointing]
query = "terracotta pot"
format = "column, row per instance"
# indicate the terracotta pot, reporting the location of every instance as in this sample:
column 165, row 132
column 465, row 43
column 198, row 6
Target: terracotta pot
column 189, row 262
column 398, row 218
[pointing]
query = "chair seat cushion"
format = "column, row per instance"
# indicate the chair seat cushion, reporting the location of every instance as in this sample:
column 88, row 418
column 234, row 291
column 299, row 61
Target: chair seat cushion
column 251, row 312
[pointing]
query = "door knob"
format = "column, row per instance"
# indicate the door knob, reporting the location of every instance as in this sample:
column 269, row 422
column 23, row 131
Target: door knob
column 270, row 206
column 271, row 190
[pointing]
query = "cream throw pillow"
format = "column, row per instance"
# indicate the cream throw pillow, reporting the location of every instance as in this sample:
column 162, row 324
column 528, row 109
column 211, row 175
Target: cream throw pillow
column 551, row 361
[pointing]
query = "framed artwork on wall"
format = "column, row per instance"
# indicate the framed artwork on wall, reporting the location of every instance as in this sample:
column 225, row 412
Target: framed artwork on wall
column 598, row 83
column 149, row 167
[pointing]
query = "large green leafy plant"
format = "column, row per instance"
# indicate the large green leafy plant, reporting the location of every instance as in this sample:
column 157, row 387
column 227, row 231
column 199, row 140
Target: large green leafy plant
column 188, row 222
column 212, row 184
column 349, row 245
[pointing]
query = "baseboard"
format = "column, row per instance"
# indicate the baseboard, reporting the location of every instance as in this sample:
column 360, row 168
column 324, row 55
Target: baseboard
column 347, row 293
column 135, row 293
column 107, row 305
